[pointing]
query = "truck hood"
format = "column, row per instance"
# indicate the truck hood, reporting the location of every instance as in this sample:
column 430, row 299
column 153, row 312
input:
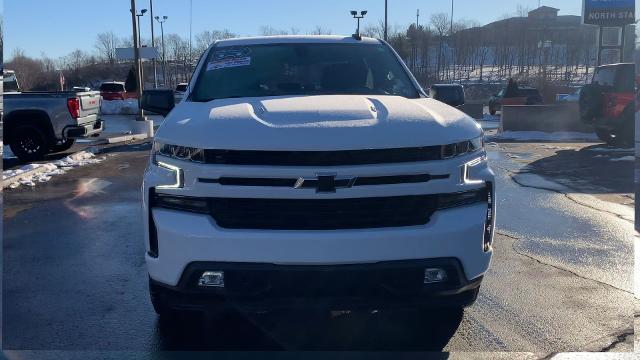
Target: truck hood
column 316, row 123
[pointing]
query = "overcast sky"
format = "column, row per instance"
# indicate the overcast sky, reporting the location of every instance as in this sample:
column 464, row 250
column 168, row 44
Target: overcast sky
column 56, row 27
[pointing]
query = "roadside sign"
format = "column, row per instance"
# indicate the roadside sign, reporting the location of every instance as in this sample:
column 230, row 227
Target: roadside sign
column 609, row 12
column 129, row 53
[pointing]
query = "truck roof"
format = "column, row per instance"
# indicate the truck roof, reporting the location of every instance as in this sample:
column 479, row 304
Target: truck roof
column 295, row 39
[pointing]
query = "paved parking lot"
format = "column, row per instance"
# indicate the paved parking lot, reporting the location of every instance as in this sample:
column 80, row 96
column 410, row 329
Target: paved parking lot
column 561, row 278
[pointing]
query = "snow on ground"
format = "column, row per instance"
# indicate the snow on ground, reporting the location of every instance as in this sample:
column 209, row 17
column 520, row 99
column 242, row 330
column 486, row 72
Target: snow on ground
column 51, row 169
column 543, row 136
column 625, row 158
column 120, row 107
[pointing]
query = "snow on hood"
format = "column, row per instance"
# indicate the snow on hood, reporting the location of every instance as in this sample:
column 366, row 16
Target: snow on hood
column 307, row 123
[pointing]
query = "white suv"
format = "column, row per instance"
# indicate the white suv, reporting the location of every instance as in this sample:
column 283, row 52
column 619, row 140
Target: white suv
column 313, row 171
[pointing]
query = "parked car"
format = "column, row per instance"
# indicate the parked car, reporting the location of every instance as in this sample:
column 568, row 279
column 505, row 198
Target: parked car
column 115, row 91
column 609, row 103
column 452, row 94
column 313, row 171
column 39, row 123
column 181, row 89
column 526, row 96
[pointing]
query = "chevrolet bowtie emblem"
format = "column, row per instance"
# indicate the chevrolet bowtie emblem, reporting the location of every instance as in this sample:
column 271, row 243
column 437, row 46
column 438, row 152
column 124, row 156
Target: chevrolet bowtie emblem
column 326, row 183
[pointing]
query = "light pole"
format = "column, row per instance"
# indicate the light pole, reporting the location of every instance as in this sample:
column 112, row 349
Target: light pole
column 358, row 17
column 386, row 20
column 164, row 58
column 142, row 12
column 136, row 51
column 451, row 28
column 153, row 44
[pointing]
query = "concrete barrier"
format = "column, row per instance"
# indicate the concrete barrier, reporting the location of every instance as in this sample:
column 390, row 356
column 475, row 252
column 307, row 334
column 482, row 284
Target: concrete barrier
column 545, row 118
column 474, row 110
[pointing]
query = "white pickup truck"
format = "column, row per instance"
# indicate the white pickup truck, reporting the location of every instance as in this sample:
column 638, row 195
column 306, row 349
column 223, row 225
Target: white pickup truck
column 313, row 171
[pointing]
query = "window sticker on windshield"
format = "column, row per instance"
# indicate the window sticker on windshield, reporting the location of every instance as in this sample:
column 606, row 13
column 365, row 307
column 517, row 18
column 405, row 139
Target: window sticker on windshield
column 232, row 53
column 228, row 63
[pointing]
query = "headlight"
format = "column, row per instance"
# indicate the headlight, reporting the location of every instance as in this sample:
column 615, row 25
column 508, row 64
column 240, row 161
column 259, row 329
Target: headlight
column 463, row 148
column 183, row 153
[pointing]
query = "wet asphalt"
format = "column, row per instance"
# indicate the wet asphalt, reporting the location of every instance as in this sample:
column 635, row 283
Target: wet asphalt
column 75, row 279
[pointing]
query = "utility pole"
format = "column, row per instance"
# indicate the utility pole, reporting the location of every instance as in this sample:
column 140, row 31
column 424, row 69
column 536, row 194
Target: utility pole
column 386, row 20
column 190, row 40
column 417, row 19
column 153, row 44
column 136, row 51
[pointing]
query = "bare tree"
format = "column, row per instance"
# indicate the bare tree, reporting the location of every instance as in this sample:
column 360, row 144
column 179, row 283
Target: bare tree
column 206, row 38
column 268, row 30
column 106, row 44
column 441, row 24
column 319, row 30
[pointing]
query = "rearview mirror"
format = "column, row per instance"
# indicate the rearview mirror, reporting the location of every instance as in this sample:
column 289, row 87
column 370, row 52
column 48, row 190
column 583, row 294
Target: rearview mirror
column 158, row 101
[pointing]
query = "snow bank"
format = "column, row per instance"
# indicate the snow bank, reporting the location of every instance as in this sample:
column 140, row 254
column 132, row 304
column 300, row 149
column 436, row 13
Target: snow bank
column 49, row 170
column 543, row 136
column 120, row 107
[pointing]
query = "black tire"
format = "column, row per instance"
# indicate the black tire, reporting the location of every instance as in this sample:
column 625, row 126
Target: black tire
column 29, row 143
column 590, row 103
column 63, row 146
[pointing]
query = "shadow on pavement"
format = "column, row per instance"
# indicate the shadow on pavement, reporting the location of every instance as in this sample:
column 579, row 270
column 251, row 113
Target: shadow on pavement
column 398, row 330
column 590, row 166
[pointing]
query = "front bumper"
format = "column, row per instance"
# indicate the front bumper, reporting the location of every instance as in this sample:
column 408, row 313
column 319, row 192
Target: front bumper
column 176, row 239
column 262, row 287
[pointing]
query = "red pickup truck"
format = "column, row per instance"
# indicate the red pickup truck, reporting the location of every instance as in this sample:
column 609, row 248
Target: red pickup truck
column 609, row 103
column 116, row 91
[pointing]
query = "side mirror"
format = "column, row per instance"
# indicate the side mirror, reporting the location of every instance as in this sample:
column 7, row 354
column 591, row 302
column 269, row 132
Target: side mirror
column 158, row 101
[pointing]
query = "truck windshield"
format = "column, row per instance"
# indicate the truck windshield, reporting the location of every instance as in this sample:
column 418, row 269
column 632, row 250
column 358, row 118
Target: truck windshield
column 302, row 69
column 109, row 87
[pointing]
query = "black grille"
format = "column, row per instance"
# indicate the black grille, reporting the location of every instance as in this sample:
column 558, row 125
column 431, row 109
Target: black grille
column 323, row 158
column 365, row 213
column 309, row 283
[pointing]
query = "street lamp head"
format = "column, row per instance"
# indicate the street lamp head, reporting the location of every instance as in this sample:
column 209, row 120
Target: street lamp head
column 165, row 17
column 363, row 13
column 143, row 11
column 157, row 18
column 354, row 13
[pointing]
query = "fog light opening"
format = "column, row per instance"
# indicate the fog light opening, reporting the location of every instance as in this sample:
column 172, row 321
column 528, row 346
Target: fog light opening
column 212, row 279
column 434, row 275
